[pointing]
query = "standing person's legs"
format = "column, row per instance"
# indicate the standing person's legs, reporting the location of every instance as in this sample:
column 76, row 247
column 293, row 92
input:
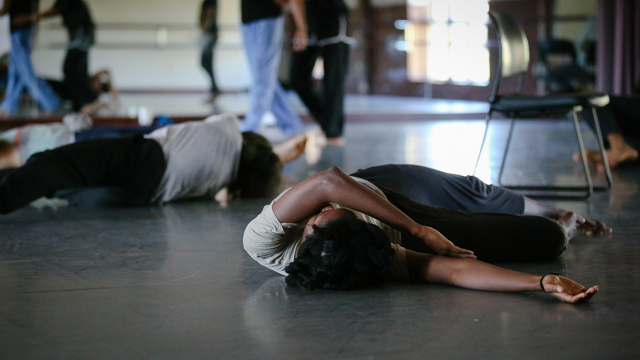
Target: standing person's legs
column 15, row 85
column 492, row 237
column 76, row 79
column 263, row 45
column 287, row 120
column 209, row 40
column 300, row 75
column 20, row 61
column 336, row 66
column 133, row 164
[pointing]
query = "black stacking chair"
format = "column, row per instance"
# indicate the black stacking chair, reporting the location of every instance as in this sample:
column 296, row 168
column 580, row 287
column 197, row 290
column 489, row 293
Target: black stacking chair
column 514, row 61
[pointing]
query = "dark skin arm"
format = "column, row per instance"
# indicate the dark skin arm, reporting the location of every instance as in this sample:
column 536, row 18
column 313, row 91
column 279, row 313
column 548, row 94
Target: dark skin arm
column 478, row 275
column 308, row 197
column 6, row 5
column 301, row 36
column 24, row 19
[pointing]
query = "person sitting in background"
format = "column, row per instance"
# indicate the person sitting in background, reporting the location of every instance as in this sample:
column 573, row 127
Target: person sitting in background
column 620, row 126
column 403, row 220
column 187, row 160
column 101, row 83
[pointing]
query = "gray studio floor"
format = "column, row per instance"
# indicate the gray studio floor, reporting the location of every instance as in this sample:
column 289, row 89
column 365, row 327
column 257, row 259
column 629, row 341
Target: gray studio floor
column 173, row 282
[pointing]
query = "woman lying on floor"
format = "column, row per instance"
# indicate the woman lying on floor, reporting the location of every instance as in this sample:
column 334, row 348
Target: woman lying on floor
column 187, row 160
column 335, row 231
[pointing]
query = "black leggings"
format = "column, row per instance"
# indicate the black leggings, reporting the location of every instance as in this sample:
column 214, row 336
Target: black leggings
column 491, row 236
column 132, row 163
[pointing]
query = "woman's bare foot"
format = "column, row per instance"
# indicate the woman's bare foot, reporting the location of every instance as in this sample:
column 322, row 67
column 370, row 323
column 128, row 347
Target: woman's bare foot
column 336, row 141
column 619, row 153
column 291, row 149
column 585, row 225
column 9, row 157
column 589, row 226
column 90, row 109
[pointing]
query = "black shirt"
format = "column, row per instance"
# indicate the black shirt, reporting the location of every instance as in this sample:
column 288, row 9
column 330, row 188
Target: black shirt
column 253, row 10
column 77, row 19
column 210, row 22
column 323, row 17
column 21, row 7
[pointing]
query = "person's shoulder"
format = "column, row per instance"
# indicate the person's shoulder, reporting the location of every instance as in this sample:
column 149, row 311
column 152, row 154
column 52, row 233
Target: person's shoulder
column 226, row 119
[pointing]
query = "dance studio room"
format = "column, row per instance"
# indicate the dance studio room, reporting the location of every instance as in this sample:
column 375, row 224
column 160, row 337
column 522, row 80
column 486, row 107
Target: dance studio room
column 319, row 179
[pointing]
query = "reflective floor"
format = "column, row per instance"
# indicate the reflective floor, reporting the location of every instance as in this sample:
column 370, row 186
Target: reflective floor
column 174, row 282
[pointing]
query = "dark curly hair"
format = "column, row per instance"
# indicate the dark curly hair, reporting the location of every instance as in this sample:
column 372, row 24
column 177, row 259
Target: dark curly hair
column 343, row 254
column 259, row 173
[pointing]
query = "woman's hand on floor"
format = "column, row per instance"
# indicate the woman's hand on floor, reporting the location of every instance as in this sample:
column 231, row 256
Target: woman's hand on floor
column 567, row 290
column 440, row 244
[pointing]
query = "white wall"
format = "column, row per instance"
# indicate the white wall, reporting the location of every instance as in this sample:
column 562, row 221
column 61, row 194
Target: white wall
column 126, row 44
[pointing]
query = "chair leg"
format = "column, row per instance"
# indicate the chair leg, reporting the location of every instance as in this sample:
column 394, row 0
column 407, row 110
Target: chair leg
column 547, row 191
column 506, row 150
column 585, row 163
column 484, row 139
column 603, row 151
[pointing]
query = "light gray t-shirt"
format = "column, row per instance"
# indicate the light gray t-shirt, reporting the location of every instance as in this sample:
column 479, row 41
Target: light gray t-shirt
column 273, row 244
column 202, row 157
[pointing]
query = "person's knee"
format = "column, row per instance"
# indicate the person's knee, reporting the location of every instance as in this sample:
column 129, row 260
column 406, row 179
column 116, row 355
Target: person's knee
column 553, row 238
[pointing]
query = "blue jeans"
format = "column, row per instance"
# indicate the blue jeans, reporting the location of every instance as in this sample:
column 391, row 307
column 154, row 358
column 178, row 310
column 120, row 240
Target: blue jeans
column 263, row 44
column 21, row 76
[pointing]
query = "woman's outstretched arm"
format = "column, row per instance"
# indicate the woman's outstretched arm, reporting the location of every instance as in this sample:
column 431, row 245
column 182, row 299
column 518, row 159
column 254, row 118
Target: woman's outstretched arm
column 308, row 197
column 478, row 275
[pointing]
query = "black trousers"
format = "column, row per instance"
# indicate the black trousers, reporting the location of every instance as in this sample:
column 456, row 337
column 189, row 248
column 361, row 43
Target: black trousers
column 620, row 116
column 209, row 39
column 76, row 80
column 326, row 106
column 491, row 236
column 132, row 163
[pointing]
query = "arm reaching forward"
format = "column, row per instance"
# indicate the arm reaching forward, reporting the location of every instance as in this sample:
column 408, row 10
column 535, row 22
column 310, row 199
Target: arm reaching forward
column 309, row 196
column 474, row 274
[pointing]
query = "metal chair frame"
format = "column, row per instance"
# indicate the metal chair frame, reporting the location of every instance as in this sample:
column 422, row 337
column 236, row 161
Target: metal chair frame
column 514, row 57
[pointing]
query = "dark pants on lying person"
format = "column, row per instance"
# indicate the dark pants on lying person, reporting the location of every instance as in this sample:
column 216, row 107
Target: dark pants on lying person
column 473, row 215
column 132, row 164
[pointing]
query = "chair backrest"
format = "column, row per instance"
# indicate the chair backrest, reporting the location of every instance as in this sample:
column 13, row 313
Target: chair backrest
column 513, row 51
column 514, row 46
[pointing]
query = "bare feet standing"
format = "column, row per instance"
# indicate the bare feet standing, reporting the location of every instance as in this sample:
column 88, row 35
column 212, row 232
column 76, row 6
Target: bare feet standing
column 291, row 149
column 620, row 152
column 336, row 141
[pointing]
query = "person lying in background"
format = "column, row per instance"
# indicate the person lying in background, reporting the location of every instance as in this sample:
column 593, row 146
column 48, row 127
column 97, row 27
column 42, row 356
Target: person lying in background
column 18, row 144
column 187, row 160
column 335, row 231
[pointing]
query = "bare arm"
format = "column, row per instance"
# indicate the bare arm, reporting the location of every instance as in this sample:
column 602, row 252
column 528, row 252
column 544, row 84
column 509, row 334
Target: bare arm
column 26, row 18
column 300, row 36
column 308, row 197
column 478, row 275
column 6, row 5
